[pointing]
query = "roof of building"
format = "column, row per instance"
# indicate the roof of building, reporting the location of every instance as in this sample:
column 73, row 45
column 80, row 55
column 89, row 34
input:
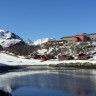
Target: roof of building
column 66, row 37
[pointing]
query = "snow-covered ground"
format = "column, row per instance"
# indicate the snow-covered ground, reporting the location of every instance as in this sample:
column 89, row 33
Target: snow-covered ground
column 6, row 59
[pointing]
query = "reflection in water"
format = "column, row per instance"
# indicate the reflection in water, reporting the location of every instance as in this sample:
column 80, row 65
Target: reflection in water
column 56, row 83
column 36, row 91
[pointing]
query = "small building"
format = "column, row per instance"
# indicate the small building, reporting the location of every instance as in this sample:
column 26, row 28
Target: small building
column 43, row 58
column 82, row 57
column 35, row 56
column 79, row 38
column 65, row 57
column 61, row 42
column 67, row 38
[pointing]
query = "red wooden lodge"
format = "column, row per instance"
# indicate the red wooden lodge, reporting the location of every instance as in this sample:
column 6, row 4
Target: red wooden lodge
column 83, row 57
column 65, row 57
column 79, row 38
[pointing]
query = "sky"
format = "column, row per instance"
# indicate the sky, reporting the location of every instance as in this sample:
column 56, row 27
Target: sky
column 37, row 19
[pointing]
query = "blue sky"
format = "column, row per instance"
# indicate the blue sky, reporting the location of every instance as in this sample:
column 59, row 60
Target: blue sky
column 36, row 19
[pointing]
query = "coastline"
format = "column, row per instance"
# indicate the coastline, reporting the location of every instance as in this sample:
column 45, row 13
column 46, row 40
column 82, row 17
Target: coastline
column 61, row 66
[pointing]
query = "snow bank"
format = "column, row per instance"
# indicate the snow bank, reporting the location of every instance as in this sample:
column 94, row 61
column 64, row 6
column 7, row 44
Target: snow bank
column 13, row 61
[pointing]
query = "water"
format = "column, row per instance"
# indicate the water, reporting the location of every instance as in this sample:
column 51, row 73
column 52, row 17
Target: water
column 49, row 83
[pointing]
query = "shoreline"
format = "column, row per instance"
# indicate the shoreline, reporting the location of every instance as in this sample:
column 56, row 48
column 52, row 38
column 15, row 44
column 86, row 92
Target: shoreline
column 61, row 66
column 9, row 62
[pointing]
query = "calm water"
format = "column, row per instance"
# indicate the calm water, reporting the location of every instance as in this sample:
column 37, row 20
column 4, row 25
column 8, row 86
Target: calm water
column 49, row 83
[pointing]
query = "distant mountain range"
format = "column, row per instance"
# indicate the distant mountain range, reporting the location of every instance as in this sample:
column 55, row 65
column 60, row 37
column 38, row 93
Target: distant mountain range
column 8, row 38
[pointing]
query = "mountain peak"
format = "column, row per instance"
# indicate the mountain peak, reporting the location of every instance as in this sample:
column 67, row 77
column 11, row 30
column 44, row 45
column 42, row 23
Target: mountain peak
column 29, row 42
column 8, row 38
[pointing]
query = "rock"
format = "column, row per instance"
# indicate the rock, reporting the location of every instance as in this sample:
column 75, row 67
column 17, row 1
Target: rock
column 3, row 93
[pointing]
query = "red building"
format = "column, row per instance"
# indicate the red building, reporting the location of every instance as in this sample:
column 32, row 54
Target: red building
column 65, row 57
column 43, row 58
column 35, row 56
column 83, row 57
column 79, row 38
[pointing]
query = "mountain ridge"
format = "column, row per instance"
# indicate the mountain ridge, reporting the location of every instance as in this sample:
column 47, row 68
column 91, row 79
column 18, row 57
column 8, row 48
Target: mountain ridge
column 8, row 38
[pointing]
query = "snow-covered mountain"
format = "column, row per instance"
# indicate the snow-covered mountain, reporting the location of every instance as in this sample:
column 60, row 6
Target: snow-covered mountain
column 29, row 42
column 8, row 38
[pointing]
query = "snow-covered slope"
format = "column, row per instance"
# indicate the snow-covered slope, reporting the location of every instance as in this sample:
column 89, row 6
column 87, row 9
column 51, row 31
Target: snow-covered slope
column 41, row 41
column 8, row 38
column 8, row 60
